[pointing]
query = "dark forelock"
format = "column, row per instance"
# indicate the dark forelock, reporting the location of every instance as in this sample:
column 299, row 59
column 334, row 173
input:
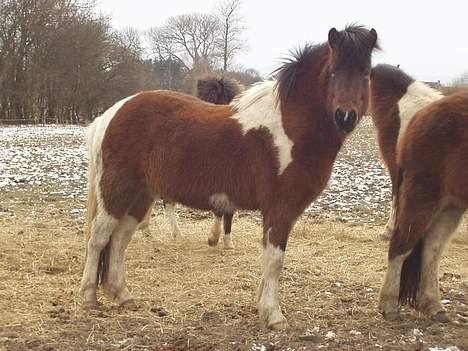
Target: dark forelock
column 355, row 46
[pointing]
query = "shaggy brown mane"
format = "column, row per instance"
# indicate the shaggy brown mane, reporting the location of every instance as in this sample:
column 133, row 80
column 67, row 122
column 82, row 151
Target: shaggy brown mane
column 294, row 66
column 354, row 44
column 389, row 78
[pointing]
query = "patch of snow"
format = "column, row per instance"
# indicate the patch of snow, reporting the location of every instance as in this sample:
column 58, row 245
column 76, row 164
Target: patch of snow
column 54, row 157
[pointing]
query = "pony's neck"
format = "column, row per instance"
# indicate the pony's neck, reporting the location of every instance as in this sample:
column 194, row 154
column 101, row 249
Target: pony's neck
column 304, row 107
column 418, row 95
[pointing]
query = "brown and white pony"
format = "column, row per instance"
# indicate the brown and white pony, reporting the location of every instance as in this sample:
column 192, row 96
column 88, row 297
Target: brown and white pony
column 397, row 98
column 218, row 90
column 424, row 136
column 282, row 138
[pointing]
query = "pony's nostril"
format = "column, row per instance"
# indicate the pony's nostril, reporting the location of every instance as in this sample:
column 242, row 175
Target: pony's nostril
column 350, row 117
column 339, row 115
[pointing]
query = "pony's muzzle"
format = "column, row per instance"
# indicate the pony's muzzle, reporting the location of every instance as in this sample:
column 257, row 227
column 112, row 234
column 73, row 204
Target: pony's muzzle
column 346, row 120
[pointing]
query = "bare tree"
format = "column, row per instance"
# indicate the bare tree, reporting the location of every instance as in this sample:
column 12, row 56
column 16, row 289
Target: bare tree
column 191, row 39
column 129, row 42
column 228, row 13
column 61, row 62
column 127, row 71
column 52, row 55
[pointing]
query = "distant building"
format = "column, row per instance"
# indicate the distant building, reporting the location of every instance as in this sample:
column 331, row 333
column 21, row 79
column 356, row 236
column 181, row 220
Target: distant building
column 434, row 85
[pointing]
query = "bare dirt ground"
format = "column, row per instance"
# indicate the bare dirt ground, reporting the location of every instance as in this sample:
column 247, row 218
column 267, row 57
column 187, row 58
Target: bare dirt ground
column 191, row 296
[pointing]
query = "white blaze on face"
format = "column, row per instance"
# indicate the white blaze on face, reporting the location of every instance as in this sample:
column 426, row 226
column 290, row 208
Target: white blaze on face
column 418, row 95
column 258, row 108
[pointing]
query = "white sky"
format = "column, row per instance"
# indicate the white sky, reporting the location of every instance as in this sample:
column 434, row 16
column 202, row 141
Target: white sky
column 429, row 39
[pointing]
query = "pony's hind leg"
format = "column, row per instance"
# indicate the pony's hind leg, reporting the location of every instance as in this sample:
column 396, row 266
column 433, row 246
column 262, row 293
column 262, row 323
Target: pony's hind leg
column 215, row 229
column 227, row 223
column 416, row 206
column 436, row 239
column 144, row 225
column 388, row 304
column 169, row 208
column 115, row 285
column 101, row 230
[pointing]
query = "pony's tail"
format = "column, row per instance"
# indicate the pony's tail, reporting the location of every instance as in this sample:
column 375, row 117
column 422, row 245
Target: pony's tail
column 92, row 204
column 103, row 266
column 411, row 275
column 91, row 211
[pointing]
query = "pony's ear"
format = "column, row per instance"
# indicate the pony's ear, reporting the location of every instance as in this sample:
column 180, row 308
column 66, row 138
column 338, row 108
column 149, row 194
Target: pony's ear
column 373, row 34
column 333, row 37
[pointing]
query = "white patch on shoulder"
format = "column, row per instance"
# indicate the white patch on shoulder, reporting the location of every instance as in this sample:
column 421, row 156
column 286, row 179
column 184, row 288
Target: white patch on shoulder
column 258, row 107
column 221, row 202
column 418, row 95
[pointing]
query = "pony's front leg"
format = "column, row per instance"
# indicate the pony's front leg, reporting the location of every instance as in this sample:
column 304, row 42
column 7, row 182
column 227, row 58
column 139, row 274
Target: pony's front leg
column 145, row 223
column 389, row 227
column 215, row 229
column 169, row 209
column 227, row 221
column 275, row 236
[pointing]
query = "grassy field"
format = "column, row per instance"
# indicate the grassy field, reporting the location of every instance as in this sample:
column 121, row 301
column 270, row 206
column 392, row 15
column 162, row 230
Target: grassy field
column 191, row 296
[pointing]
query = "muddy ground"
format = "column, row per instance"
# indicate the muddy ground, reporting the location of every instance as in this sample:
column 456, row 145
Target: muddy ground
column 191, row 296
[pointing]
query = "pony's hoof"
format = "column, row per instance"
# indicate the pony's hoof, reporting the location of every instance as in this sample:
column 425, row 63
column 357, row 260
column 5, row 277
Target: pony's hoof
column 278, row 326
column 212, row 242
column 274, row 319
column 129, row 304
column 391, row 316
column 385, row 235
column 90, row 305
column 442, row 317
column 228, row 245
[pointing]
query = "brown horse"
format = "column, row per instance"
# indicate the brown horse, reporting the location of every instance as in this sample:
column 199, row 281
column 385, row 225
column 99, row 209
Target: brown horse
column 218, row 90
column 272, row 149
column 429, row 167
column 397, row 97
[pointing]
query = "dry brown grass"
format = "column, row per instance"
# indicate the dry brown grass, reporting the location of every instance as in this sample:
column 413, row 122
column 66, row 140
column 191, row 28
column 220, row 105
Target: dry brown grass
column 330, row 282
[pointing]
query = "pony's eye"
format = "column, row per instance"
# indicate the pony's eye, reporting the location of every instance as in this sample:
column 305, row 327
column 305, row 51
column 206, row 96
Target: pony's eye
column 367, row 72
